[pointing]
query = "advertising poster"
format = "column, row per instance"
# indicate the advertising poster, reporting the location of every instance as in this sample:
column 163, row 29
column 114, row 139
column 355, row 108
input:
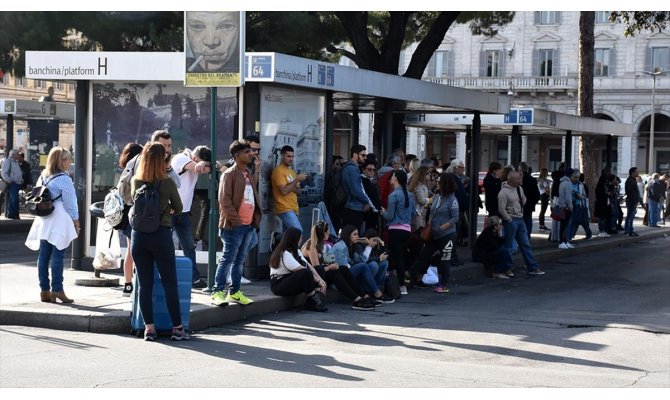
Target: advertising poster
column 213, row 48
column 294, row 118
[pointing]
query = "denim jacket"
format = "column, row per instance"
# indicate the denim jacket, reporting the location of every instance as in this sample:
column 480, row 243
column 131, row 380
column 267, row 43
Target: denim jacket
column 341, row 252
column 356, row 197
column 397, row 213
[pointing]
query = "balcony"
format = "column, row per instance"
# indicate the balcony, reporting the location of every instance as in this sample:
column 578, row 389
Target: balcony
column 522, row 84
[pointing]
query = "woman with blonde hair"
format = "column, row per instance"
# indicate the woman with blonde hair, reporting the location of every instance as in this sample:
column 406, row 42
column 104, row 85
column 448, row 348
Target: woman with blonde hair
column 418, row 186
column 149, row 248
column 52, row 234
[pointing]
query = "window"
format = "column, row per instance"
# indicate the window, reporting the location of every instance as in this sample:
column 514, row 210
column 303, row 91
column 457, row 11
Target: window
column 660, row 58
column 39, row 84
column 546, row 62
column 547, row 17
column 59, row 85
column 19, row 81
column 5, row 79
column 493, row 63
column 602, row 62
column 441, row 64
column 602, row 17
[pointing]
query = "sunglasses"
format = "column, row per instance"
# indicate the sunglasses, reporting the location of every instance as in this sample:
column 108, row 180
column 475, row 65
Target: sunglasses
column 370, row 169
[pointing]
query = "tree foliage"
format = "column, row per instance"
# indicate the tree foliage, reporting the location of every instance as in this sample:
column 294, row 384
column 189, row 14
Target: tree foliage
column 637, row 21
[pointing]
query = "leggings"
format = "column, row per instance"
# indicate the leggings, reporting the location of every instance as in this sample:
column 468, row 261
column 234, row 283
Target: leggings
column 344, row 282
column 397, row 258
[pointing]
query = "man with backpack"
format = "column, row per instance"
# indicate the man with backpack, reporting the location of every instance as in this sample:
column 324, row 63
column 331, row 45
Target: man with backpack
column 357, row 202
column 189, row 165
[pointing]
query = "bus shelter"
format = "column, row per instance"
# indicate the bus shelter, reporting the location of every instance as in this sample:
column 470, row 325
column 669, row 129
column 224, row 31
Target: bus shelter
column 124, row 97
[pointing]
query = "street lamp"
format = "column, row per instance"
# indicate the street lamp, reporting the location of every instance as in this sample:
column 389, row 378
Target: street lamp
column 656, row 72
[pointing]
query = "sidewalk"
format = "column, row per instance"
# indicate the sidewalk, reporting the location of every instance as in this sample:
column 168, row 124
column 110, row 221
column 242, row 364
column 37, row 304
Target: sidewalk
column 104, row 310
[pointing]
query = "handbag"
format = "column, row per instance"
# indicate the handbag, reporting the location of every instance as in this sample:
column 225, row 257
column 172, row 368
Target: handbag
column 559, row 215
column 427, row 231
column 392, row 286
column 3, row 185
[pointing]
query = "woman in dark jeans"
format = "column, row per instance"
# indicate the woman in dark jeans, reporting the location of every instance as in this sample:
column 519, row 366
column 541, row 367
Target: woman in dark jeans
column 314, row 248
column 291, row 274
column 544, row 184
column 151, row 248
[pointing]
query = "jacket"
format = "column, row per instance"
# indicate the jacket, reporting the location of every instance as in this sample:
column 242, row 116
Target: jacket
column 443, row 210
column 11, row 171
column 532, row 192
column 492, row 187
column 633, row 197
column 231, row 194
column 485, row 246
column 397, row 213
column 509, row 205
column 565, row 194
column 351, row 179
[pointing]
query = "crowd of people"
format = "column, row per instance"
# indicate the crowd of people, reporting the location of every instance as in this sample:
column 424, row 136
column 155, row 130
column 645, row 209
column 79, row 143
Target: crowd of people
column 384, row 227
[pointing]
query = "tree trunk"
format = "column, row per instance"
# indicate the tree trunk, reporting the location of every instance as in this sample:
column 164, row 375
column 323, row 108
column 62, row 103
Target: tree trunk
column 587, row 152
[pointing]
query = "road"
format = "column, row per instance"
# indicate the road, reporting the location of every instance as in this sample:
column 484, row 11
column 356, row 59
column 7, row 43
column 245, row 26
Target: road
column 600, row 320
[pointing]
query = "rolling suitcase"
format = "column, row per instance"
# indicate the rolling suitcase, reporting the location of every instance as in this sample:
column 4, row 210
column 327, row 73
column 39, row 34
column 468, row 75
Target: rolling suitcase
column 162, row 319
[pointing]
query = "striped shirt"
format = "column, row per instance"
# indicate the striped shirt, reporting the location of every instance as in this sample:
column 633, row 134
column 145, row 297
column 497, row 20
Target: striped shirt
column 62, row 185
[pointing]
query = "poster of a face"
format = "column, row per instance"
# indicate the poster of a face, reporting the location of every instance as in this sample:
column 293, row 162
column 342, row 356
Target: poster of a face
column 214, row 45
column 294, row 118
column 130, row 112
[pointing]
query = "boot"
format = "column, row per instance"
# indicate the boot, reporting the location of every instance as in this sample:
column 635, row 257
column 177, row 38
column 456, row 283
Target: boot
column 314, row 303
column 60, row 296
column 45, row 296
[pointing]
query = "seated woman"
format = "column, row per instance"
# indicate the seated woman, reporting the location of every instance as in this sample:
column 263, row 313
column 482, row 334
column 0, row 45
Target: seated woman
column 291, row 274
column 331, row 272
column 490, row 250
column 366, row 274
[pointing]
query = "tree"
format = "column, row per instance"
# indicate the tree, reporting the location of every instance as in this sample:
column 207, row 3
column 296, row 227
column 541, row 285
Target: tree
column 379, row 37
column 587, row 159
column 637, row 21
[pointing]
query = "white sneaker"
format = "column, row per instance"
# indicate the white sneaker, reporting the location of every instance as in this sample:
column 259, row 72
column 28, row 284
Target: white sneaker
column 603, row 235
column 564, row 246
column 403, row 290
column 500, row 276
column 244, row 281
column 571, row 246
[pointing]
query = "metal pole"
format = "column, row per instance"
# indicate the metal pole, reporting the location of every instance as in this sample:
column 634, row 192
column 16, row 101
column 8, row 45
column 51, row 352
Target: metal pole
column 9, row 144
column 328, row 132
column 214, row 206
column 515, row 157
column 80, row 141
column 475, row 159
column 652, row 167
column 608, row 157
column 568, row 149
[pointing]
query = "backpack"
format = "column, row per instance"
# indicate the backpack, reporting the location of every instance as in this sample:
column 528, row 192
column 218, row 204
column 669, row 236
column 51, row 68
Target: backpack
column 340, row 192
column 39, row 201
column 124, row 182
column 113, row 207
column 145, row 214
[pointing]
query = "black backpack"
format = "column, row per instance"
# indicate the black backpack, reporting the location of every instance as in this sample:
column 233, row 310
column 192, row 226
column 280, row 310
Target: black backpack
column 39, row 201
column 145, row 214
column 340, row 192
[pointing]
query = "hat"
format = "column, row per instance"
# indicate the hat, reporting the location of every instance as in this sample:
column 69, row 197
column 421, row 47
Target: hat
column 427, row 162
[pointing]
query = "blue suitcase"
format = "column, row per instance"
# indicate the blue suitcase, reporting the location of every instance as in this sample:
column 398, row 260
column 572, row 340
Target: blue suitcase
column 162, row 319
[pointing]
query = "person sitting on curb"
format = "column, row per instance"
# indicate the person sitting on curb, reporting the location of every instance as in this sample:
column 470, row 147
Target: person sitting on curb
column 490, row 250
column 330, row 271
column 291, row 274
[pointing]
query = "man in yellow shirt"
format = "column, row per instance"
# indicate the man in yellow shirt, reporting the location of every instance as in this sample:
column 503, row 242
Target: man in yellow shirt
column 285, row 190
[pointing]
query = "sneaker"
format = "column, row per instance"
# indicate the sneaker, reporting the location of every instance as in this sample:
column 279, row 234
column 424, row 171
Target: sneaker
column 179, row 334
column 500, row 276
column 633, row 234
column 149, row 336
column 244, row 281
column 314, row 303
column 509, row 273
column 572, row 244
column 219, row 298
column 564, row 246
column 603, row 235
column 403, row 290
column 385, row 299
column 239, row 298
column 127, row 289
column 441, row 289
column 536, row 271
column 362, row 304
column 199, row 284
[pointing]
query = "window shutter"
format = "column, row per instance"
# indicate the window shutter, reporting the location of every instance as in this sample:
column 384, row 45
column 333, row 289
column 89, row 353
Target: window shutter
column 647, row 60
column 537, row 18
column 430, row 68
column 558, row 17
column 450, row 62
column 555, row 64
column 482, row 63
column 612, row 65
column 502, row 56
column 536, row 63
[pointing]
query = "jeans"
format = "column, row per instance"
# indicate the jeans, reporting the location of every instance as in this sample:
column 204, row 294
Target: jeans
column 12, row 194
column 181, row 224
column 502, row 258
column 630, row 217
column 580, row 217
column 363, row 273
column 236, row 245
column 156, row 248
column 49, row 252
column 517, row 230
column 654, row 212
column 378, row 270
column 290, row 219
column 528, row 220
column 565, row 228
column 543, row 207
